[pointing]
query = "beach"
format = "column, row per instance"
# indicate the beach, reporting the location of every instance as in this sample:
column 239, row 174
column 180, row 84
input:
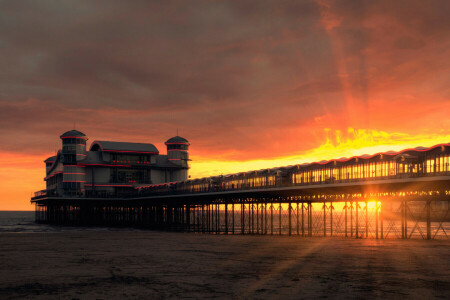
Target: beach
column 158, row 265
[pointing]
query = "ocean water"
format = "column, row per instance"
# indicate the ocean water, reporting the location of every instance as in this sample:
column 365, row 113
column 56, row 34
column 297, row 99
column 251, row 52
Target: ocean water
column 23, row 222
column 19, row 221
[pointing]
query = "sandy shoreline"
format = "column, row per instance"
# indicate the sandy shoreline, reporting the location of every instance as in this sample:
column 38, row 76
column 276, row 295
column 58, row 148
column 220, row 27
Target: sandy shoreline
column 153, row 265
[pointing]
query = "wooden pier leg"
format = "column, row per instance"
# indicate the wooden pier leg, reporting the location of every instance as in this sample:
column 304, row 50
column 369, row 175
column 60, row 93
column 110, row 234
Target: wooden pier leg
column 357, row 220
column 367, row 221
column 196, row 218
column 331, row 218
column 251, row 218
column 271, row 218
column 213, row 219
column 242, row 218
column 232, row 209
column 346, row 209
column 207, row 218
column 428, row 208
column 381, row 220
column 298, row 220
column 226, row 218
column 279, row 218
column 265, row 217
column 310, row 229
column 303, row 219
column 217, row 219
column 257, row 218
column 262, row 218
column 324, row 219
column 188, row 217
column 351, row 219
column 289, row 213
column 376, row 220
column 406, row 219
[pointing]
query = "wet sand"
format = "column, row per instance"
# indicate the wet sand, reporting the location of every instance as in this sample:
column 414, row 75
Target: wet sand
column 155, row 265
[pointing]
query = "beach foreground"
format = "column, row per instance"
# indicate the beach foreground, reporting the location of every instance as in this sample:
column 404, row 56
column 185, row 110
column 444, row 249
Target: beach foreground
column 152, row 265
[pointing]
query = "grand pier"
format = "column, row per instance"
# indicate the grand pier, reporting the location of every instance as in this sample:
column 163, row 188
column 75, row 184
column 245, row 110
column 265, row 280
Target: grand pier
column 403, row 194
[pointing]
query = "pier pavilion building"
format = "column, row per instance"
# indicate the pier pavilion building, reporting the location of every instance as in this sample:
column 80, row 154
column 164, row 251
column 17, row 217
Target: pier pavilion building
column 112, row 168
column 402, row 194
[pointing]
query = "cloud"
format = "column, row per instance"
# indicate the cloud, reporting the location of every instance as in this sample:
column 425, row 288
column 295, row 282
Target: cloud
column 241, row 80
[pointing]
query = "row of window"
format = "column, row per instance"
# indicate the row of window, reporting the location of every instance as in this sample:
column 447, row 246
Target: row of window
column 71, row 186
column 130, row 176
column 259, row 181
column 74, row 141
column 131, row 158
column 177, row 146
column 371, row 170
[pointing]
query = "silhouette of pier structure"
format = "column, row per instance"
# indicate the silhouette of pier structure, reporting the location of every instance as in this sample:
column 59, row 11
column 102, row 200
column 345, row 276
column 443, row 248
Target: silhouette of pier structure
column 403, row 194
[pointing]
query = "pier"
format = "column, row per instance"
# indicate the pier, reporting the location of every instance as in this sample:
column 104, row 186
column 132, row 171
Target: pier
column 387, row 195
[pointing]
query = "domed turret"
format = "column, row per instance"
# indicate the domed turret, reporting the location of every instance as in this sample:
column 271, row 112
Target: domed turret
column 74, row 146
column 177, row 151
column 73, row 134
column 177, row 140
column 73, row 151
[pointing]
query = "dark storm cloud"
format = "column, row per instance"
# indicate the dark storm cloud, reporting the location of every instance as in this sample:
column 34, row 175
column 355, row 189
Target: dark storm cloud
column 231, row 75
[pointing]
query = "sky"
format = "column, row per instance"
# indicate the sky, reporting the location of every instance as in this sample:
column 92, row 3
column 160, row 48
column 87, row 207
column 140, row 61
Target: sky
column 251, row 84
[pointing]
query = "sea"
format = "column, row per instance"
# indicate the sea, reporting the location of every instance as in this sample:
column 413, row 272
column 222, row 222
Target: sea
column 23, row 222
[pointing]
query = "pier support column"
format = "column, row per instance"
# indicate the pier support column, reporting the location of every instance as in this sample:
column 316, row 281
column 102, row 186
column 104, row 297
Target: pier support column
column 376, row 220
column 324, row 219
column 226, row 218
column 257, row 218
column 331, row 218
column 428, row 208
column 346, row 208
column 298, row 220
column 310, row 229
column 217, row 219
column 188, row 217
column 271, row 218
column 242, row 218
column 251, row 218
column 279, row 218
column 289, row 213
column 351, row 219
column 381, row 220
column 203, row 219
column 406, row 219
column 367, row 221
column 232, row 219
column 265, row 217
column 303, row 219
column 357, row 220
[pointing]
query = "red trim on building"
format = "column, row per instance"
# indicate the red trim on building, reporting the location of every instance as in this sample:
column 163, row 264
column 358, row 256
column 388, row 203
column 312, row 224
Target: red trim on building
column 176, row 150
column 73, row 181
column 116, row 185
column 126, row 151
column 105, row 165
column 54, row 174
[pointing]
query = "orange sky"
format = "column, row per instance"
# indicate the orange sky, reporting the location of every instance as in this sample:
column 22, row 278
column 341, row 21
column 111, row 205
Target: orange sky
column 250, row 85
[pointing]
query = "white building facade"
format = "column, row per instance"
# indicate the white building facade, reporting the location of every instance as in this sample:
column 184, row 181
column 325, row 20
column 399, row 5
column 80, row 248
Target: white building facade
column 111, row 169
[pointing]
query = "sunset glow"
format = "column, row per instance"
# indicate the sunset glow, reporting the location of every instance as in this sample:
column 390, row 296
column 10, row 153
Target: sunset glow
column 336, row 145
column 250, row 86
